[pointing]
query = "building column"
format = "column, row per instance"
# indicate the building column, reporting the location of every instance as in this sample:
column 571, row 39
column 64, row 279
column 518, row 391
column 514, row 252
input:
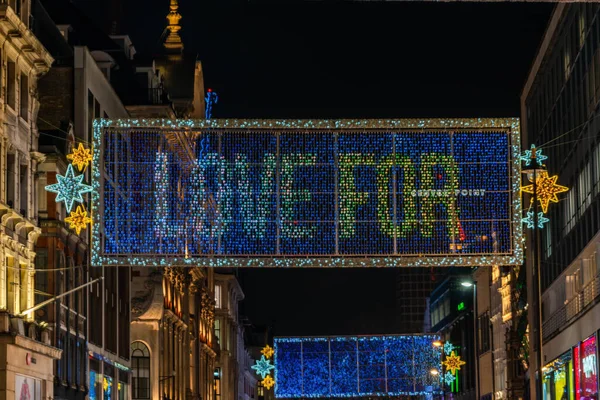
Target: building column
column 3, row 281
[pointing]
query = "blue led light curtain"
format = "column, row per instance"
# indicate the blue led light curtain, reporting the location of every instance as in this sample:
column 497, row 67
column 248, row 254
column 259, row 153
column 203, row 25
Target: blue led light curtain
column 355, row 366
column 272, row 194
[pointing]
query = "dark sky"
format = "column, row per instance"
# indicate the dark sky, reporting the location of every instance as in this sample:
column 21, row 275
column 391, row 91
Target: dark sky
column 284, row 59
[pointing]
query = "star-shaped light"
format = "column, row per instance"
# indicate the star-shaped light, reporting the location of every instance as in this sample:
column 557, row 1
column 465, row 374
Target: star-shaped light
column 268, row 382
column 80, row 157
column 78, row 219
column 448, row 347
column 263, row 367
column 547, row 189
column 539, row 157
column 69, row 188
column 453, row 363
column 267, row 351
column 530, row 220
column 449, row 378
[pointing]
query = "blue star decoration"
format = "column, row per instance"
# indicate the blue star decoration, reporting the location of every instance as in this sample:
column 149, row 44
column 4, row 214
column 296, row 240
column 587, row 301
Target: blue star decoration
column 448, row 347
column 539, row 157
column 449, row 378
column 263, row 367
column 69, row 188
column 529, row 220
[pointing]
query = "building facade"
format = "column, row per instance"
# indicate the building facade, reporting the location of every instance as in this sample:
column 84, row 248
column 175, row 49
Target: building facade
column 560, row 106
column 413, row 286
column 231, row 365
column 452, row 317
column 26, row 353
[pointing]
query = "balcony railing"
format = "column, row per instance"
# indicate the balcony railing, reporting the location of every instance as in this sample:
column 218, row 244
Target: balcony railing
column 572, row 308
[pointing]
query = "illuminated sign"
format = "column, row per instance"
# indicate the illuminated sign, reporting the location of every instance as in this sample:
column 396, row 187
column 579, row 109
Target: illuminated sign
column 307, row 193
column 461, row 306
column 356, row 366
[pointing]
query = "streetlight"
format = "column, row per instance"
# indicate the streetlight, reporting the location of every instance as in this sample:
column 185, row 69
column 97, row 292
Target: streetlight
column 438, row 343
column 473, row 284
column 434, row 372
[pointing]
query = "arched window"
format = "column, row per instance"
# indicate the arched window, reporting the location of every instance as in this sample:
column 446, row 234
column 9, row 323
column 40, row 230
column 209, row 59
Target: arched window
column 140, row 362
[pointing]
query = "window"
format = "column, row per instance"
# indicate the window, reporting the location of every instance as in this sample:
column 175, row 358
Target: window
column 585, row 192
column 24, row 97
column 217, row 296
column 484, row 333
column 570, row 210
column 11, row 84
column 217, row 383
column 567, row 61
column 90, row 111
column 218, row 330
column 596, row 157
column 582, row 27
column 140, row 363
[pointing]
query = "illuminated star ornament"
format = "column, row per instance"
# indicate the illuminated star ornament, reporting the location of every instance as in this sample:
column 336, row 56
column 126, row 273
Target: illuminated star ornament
column 530, row 220
column 547, row 189
column 449, row 378
column 69, row 188
column 268, row 382
column 448, row 348
column 80, row 157
column 78, row 219
column 263, row 367
column 539, row 157
column 267, row 351
column 453, row 363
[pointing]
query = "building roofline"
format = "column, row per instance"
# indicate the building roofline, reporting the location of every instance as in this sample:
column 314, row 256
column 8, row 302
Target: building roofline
column 551, row 29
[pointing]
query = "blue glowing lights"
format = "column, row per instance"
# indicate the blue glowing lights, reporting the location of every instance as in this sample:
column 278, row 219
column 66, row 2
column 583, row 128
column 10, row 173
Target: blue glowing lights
column 313, row 367
column 449, row 378
column 69, row 188
column 262, row 193
column 539, row 157
column 448, row 348
column 263, row 367
column 530, row 220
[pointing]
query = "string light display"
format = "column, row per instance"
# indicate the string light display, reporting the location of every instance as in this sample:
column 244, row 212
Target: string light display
column 359, row 366
column 539, row 157
column 449, row 378
column 302, row 193
column 546, row 188
column 80, row 157
column 267, row 351
column 211, row 99
column 78, row 219
column 530, row 220
column 69, row 188
column 448, row 348
column 268, row 382
column 453, row 363
column 263, row 367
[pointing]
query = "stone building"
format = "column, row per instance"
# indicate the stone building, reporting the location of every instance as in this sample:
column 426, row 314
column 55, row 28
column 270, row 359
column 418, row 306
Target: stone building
column 25, row 352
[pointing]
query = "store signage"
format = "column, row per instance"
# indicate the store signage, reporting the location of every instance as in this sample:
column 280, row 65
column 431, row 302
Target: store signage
column 461, row 306
column 278, row 193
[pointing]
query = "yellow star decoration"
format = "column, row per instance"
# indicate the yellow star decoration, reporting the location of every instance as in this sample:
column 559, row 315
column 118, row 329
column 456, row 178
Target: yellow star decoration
column 78, row 219
column 547, row 189
column 267, row 351
column 268, row 382
column 80, row 157
column 453, row 363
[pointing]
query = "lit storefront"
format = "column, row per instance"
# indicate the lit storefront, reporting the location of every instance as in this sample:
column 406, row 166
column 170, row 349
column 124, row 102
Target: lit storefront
column 108, row 380
column 573, row 375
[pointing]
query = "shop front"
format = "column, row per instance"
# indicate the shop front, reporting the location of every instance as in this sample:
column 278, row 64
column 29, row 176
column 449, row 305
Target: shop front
column 573, row 375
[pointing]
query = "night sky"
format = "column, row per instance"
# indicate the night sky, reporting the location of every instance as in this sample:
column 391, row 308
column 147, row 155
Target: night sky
column 284, row 59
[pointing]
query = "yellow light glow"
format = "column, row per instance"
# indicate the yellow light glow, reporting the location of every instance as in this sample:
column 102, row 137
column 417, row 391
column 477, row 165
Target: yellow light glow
column 78, row 219
column 267, row 351
column 434, row 371
column 453, row 363
column 80, row 157
column 547, row 189
column 437, row 343
column 268, row 382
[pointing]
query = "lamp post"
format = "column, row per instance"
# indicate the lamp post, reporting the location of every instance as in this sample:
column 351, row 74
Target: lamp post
column 473, row 284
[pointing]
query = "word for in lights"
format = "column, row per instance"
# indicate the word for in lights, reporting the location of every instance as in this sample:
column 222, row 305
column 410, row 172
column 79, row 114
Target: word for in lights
column 302, row 193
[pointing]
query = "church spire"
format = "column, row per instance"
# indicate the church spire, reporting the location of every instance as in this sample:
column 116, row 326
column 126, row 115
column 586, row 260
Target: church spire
column 173, row 44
